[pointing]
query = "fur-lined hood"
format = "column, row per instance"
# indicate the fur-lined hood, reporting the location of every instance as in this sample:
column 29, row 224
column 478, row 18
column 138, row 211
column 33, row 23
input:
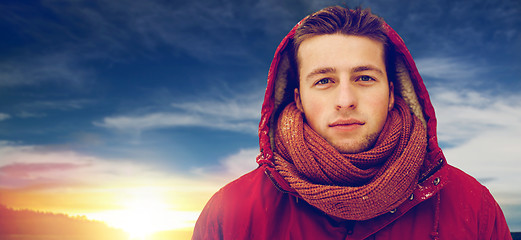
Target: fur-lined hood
column 409, row 85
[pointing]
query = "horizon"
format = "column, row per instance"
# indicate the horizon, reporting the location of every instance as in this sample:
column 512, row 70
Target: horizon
column 33, row 225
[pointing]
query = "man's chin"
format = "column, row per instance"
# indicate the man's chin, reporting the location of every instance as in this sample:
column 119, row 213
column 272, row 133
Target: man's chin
column 353, row 147
column 348, row 149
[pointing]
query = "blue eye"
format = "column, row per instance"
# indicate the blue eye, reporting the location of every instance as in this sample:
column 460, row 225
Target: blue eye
column 323, row 81
column 365, row 78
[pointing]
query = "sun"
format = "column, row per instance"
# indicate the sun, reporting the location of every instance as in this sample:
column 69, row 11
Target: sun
column 143, row 216
column 144, row 212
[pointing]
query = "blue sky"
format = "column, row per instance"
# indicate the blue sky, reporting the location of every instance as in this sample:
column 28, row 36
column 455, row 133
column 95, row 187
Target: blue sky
column 172, row 89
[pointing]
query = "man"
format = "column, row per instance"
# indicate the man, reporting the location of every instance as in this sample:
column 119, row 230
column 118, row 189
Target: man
column 349, row 148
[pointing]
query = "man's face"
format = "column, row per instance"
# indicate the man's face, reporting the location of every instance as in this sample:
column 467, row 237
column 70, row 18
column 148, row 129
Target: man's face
column 344, row 91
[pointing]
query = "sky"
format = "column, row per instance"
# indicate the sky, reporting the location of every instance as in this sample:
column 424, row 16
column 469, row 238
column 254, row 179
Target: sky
column 110, row 107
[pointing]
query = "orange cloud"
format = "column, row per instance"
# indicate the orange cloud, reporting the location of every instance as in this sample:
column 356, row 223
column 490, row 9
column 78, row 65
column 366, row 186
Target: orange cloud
column 17, row 175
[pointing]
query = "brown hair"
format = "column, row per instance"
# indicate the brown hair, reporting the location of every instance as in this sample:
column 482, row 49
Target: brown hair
column 358, row 22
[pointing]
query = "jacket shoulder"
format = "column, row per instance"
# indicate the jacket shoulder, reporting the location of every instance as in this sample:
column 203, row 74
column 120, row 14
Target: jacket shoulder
column 244, row 192
column 464, row 196
column 234, row 205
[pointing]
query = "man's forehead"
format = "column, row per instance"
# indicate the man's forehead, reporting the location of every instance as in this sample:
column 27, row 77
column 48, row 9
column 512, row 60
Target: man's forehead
column 327, row 51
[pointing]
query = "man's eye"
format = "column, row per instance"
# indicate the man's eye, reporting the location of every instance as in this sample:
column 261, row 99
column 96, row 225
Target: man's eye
column 365, row 78
column 323, row 81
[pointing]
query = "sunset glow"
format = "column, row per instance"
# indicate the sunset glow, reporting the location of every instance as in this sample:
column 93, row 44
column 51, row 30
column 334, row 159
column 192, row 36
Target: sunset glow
column 145, row 211
column 142, row 200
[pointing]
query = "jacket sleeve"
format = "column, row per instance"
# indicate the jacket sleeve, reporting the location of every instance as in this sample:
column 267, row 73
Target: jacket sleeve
column 492, row 222
column 209, row 223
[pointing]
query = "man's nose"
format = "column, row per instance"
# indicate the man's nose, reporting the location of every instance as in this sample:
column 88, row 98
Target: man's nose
column 346, row 96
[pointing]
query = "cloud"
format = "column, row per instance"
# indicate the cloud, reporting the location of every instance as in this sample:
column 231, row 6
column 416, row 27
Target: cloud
column 231, row 28
column 33, row 109
column 229, row 109
column 24, row 166
column 25, row 114
column 239, row 113
column 106, row 189
column 463, row 115
column 447, row 68
column 4, row 116
column 62, row 68
column 481, row 133
column 44, row 178
column 30, row 174
column 495, row 156
column 29, row 165
column 241, row 162
column 429, row 28
column 230, row 167
column 116, row 31
column 149, row 121
column 25, row 169
column 172, row 120
column 41, row 108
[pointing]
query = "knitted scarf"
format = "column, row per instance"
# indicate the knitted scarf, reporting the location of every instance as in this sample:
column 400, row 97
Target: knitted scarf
column 357, row 186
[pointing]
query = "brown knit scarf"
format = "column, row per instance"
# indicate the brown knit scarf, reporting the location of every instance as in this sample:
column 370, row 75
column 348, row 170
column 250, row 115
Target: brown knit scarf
column 357, row 186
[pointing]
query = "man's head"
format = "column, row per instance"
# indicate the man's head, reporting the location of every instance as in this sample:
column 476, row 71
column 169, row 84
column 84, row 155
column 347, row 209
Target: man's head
column 344, row 90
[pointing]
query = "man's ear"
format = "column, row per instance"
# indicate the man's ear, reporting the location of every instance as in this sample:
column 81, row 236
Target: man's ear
column 298, row 102
column 391, row 96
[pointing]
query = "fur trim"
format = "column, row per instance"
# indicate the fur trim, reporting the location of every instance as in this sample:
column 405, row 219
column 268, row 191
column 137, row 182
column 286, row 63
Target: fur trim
column 282, row 93
column 281, row 81
column 406, row 90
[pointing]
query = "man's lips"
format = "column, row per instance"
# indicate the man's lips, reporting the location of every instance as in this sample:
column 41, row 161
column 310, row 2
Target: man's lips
column 346, row 123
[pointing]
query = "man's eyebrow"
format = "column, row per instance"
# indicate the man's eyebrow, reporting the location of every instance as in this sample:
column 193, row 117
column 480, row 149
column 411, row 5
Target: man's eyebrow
column 319, row 71
column 368, row 68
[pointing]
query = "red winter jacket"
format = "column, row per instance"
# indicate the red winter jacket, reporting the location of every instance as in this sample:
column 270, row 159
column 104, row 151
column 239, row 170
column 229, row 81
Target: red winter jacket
column 446, row 204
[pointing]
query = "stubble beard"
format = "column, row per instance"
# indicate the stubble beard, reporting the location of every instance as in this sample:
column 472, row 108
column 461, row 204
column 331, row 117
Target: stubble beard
column 360, row 145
